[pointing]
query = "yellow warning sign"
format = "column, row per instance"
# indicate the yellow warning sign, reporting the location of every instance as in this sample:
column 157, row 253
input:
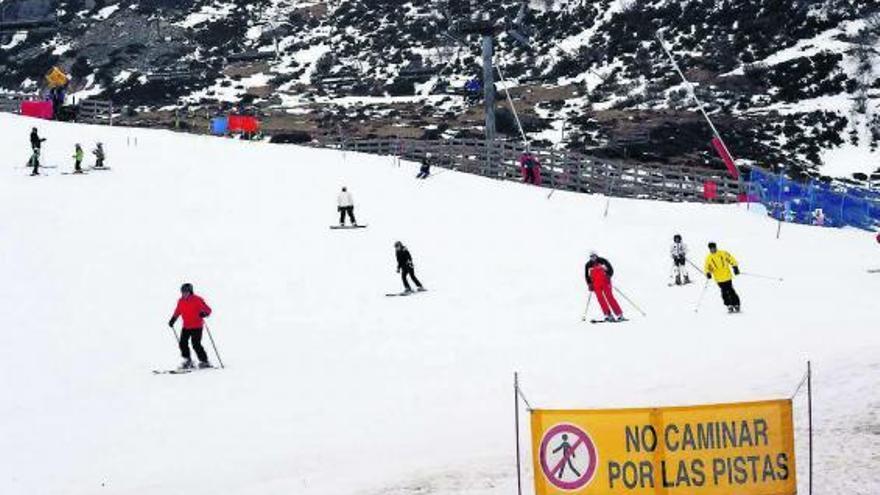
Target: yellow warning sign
column 56, row 77
column 743, row 448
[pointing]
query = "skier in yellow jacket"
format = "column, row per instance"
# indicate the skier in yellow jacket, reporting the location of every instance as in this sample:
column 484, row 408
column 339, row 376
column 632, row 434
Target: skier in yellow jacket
column 723, row 266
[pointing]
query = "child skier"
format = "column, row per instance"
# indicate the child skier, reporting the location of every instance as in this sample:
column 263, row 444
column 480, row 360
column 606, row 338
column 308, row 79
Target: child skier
column 679, row 253
column 345, row 205
column 99, row 155
column 598, row 272
column 405, row 267
column 77, row 159
column 723, row 266
column 194, row 310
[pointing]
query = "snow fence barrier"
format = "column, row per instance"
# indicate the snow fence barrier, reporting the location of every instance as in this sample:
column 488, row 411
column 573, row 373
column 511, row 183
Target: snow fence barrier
column 815, row 202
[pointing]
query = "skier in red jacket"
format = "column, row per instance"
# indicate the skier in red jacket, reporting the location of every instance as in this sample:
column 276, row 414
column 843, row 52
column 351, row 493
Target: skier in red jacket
column 598, row 272
column 193, row 310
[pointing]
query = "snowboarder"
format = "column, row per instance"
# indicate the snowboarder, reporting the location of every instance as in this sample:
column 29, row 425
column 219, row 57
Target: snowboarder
column 405, row 267
column 77, row 159
column 530, row 168
column 598, row 272
column 679, row 253
column 723, row 266
column 99, row 155
column 345, row 205
column 425, row 169
column 194, row 310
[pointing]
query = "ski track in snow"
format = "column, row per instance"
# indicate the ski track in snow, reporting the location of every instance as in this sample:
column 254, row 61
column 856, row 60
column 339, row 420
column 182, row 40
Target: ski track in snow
column 332, row 388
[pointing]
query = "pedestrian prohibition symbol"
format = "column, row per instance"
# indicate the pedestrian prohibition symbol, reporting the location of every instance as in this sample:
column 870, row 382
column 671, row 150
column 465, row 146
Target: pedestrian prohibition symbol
column 568, row 457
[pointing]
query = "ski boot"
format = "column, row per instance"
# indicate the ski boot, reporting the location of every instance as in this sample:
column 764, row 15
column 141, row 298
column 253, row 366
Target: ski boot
column 687, row 279
column 421, row 289
column 730, row 309
column 609, row 319
column 407, row 291
column 621, row 318
column 678, row 280
column 205, row 364
column 187, row 364
column 736, row 309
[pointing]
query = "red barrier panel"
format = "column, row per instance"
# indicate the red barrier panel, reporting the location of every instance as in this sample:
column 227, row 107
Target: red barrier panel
column 710, row 190
column 725, row 155
column 243, row 123
column 38, row 109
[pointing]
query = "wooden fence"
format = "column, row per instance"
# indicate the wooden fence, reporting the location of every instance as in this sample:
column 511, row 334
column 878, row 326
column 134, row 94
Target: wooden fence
column 11, row 102
column 95, row 111
column 564, row 170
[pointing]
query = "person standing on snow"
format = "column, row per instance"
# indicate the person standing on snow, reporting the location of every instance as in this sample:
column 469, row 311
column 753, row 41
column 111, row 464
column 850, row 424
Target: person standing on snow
column 679, row 253
column 99, row 155
column 345, row 205
column 530, row 166
column 36, row 147
column 193, row 310
column 405, row 267
column 723, row 266
column 77, row 159
column 598, row 272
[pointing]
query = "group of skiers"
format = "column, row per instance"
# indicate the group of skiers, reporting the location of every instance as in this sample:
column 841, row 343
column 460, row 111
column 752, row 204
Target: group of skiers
column 719, row 264
column 78, row 155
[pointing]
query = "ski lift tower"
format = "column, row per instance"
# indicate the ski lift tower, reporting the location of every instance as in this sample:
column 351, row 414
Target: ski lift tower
column 467, row 18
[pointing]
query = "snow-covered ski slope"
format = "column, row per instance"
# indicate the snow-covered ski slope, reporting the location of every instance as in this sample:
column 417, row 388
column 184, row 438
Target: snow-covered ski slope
column 332, row 388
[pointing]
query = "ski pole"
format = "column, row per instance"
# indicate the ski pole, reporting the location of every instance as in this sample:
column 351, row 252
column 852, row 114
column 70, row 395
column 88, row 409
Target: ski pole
column 208, row 330
column 778, row 279
column 630, row 301
column 700, row 270
column 587, row 309
column 702, row 294
column 176, row 338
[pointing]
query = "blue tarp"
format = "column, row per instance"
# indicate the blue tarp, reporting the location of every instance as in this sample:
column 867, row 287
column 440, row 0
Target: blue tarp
column 798, row 202
column 219, row 125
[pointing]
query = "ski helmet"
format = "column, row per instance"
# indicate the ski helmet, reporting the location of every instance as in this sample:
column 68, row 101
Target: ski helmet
column 676, row 238
column 593, row 254
column 712, row 246
column 398, row 244
column 186, row 288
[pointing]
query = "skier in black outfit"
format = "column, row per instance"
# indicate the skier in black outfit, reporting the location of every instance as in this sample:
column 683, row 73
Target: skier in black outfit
column 405, row 267
column 424, row 170
column 36, row 145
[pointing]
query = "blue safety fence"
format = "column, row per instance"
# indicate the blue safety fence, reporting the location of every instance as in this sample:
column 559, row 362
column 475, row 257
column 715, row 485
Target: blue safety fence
column 815, row 202
column 219, row 125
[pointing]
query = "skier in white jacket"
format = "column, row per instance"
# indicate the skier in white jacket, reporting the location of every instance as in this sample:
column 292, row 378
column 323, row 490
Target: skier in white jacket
column 679, row 253
column 345, row 204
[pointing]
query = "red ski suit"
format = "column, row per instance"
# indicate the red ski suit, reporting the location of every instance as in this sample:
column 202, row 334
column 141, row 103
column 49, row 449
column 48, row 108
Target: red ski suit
column 604, row 291
column 191, row 309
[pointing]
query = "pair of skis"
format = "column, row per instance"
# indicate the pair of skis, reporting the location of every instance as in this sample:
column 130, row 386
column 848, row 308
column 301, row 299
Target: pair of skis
column 405, row 293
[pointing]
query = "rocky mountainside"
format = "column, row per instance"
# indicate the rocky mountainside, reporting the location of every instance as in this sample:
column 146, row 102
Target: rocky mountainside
column 792, row 83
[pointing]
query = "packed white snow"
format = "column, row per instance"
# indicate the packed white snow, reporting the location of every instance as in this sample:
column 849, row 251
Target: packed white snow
column 331, row 388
